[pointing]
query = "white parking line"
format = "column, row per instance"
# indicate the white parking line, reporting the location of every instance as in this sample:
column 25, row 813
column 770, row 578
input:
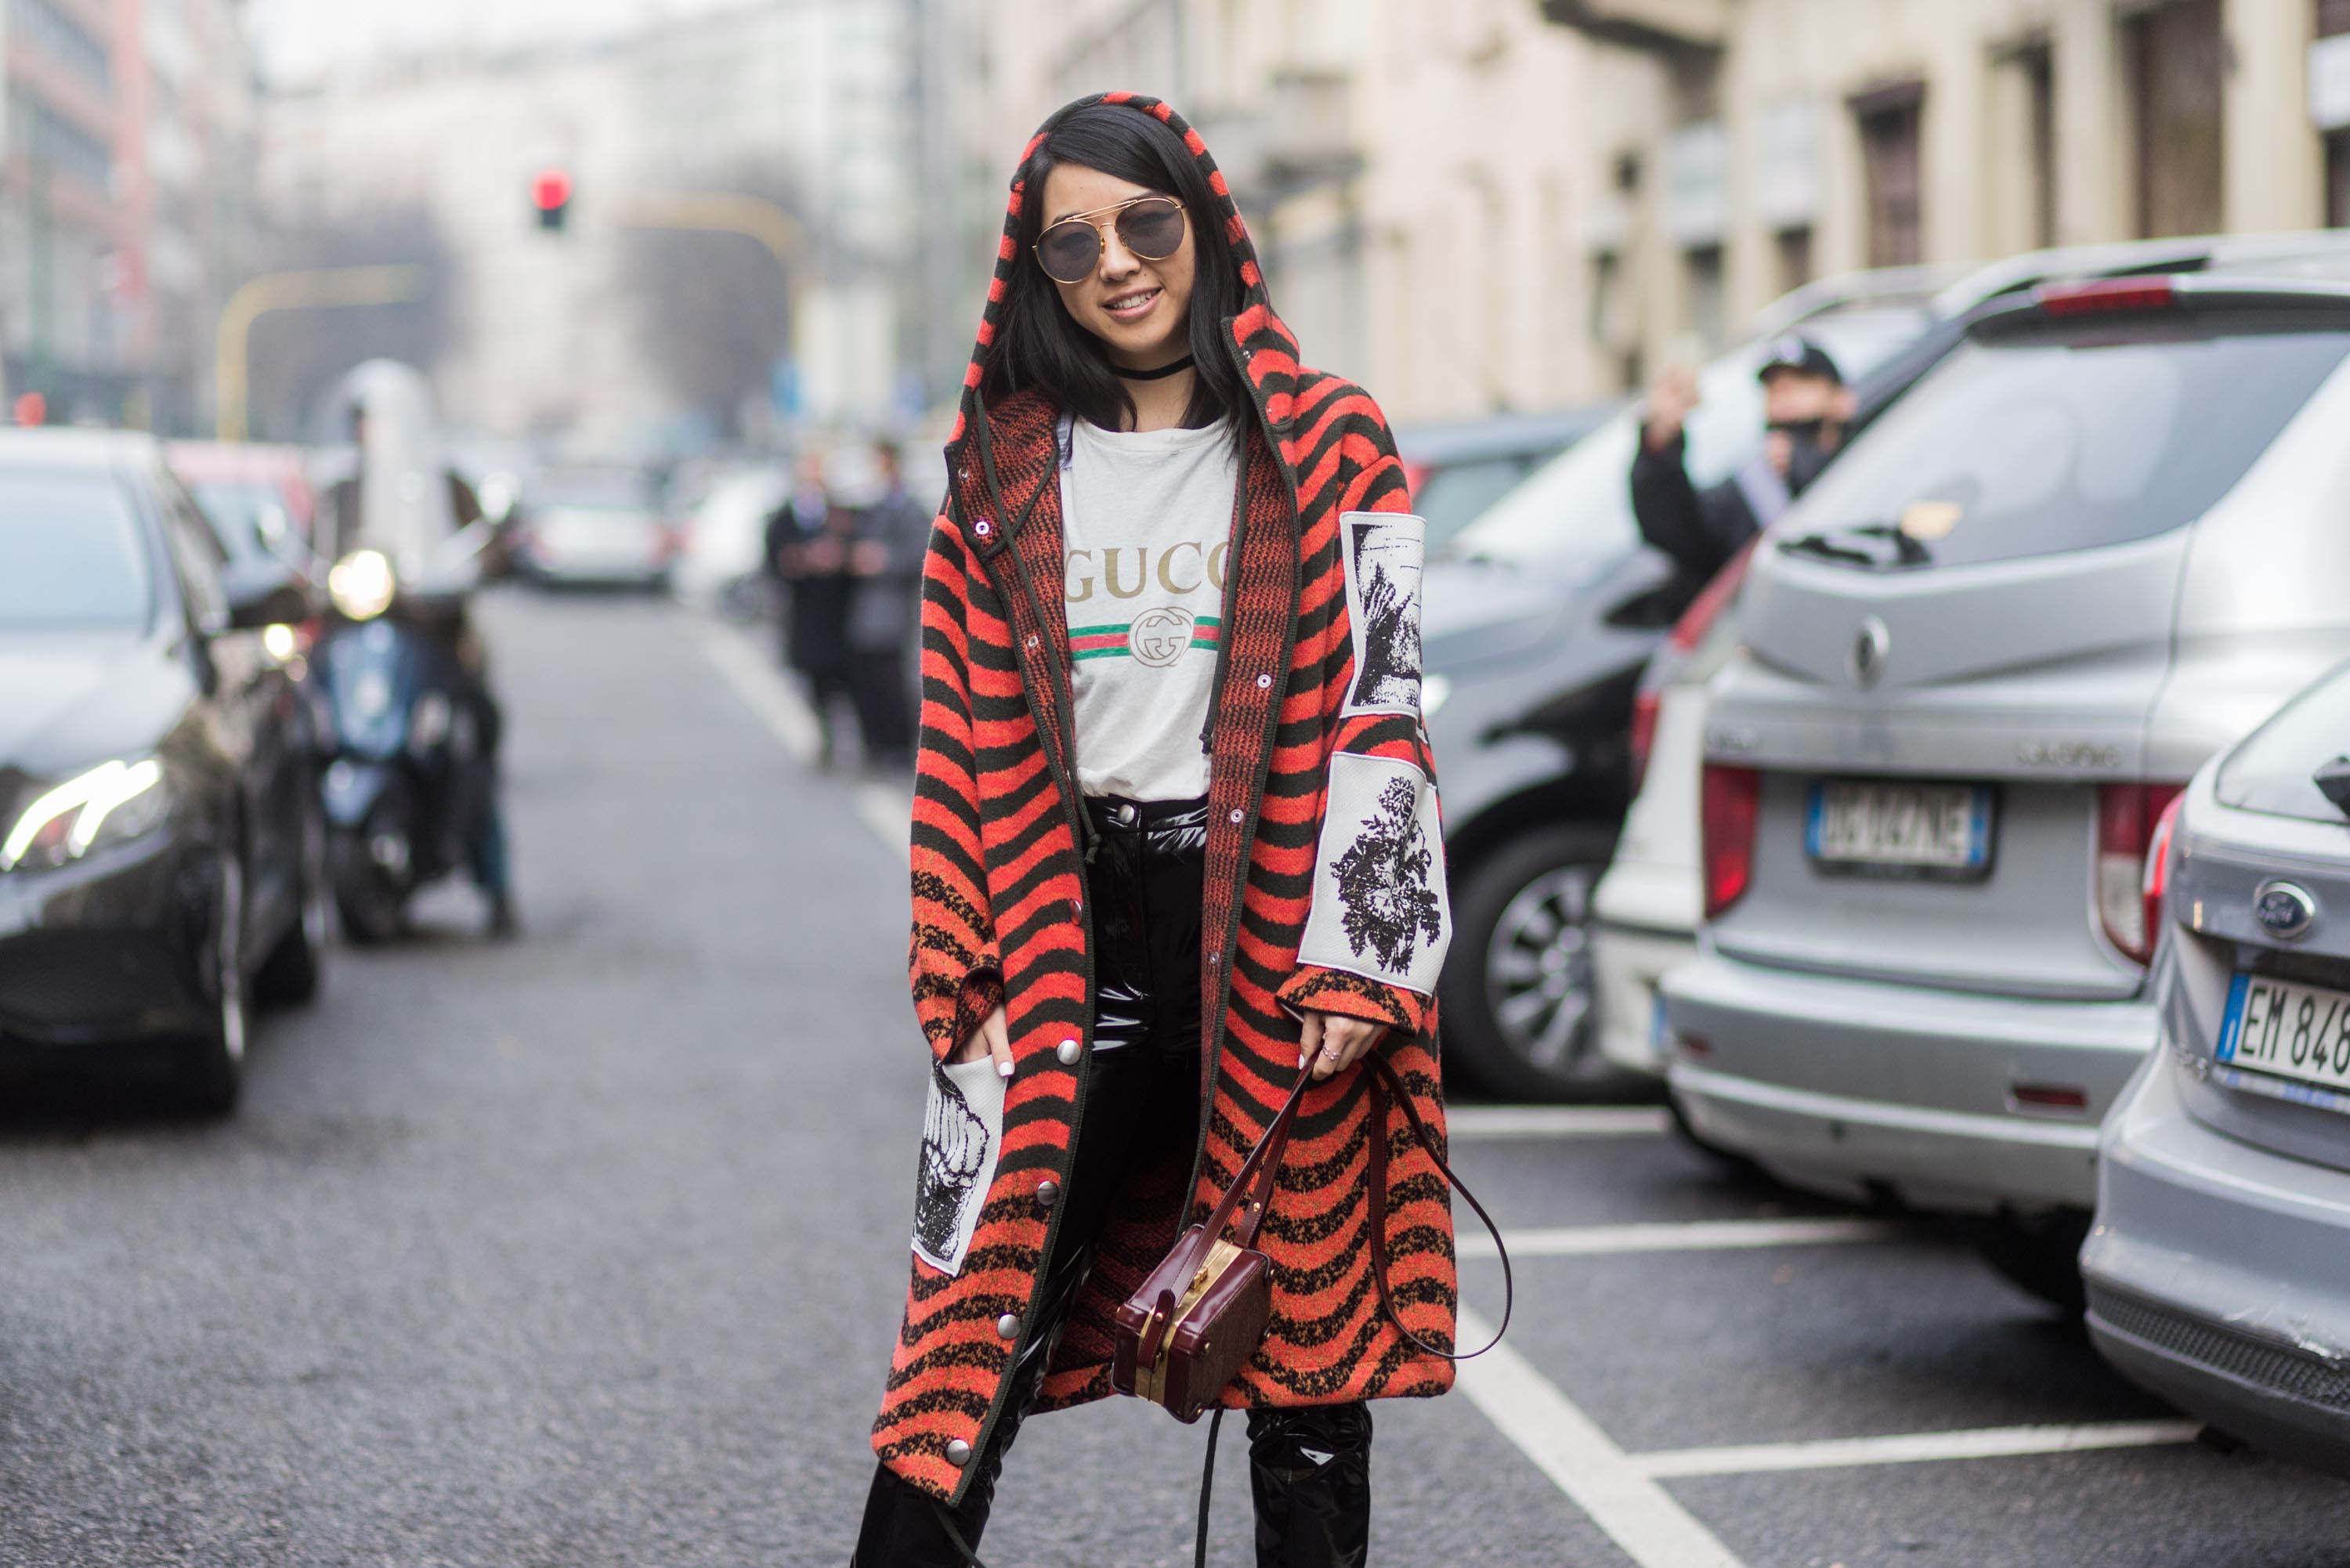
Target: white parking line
column 1913, row 1447
column 1689, row 1236
column 748, row 669
column 1483, row 1122
column 1597, row 1476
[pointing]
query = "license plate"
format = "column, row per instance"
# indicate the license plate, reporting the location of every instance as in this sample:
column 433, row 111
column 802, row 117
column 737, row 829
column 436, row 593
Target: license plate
column 1934, row 830
column 2288, row 1031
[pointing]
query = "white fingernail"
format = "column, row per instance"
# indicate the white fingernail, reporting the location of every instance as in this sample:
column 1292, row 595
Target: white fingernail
column 1003, row 1069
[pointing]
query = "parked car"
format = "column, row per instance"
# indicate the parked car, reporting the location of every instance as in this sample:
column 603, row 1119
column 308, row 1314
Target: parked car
column 257, row 496
column 2091, row 547
column 1459, row 468
column 161, row 851
column 593, row 526
column 1536, row 624
column 719, row 563
column 1648, row 905
column 2219, row 1268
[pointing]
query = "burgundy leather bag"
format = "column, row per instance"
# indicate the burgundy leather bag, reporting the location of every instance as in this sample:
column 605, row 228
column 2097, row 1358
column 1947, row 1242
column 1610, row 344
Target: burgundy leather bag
column 1203, row 1312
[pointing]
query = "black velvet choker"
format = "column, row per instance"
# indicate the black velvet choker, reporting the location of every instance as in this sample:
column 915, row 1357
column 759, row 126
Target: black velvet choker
column 1160, row 374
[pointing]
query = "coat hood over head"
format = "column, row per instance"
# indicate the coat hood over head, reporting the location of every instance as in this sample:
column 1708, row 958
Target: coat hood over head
column 1266, row 346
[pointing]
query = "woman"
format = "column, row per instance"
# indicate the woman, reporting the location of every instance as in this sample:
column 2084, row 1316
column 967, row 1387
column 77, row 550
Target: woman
column 1175, row 842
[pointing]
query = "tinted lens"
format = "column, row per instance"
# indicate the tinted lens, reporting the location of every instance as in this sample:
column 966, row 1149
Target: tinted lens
column 1152, row 230
column 1068, row 251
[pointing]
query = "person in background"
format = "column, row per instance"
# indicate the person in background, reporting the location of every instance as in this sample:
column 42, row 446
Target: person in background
column 1805, row 408
column 807, row 548
column 885, row 560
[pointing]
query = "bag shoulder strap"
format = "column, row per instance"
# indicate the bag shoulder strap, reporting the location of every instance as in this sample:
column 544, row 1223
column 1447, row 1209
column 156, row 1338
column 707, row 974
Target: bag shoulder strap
column 1384, row 1082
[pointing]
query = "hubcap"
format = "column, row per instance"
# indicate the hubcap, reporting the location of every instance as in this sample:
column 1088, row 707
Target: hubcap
column 1538, row 969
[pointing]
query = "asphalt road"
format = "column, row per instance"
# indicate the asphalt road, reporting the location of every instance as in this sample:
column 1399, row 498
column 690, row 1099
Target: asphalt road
column 587, row 1249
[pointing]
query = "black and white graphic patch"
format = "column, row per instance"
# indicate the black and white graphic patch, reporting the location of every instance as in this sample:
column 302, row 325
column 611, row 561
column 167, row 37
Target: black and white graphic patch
column 1379, row 906
column 1382, row 552
column 963, row 1128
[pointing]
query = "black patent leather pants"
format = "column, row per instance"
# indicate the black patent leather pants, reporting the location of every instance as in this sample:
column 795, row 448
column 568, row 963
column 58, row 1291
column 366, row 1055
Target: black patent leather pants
column 1309, row 1469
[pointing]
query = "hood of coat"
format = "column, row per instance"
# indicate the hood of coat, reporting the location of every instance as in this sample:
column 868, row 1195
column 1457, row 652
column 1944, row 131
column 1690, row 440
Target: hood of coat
column 1267, row 349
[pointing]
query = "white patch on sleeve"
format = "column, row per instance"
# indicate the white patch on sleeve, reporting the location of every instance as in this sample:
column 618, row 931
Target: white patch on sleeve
column 1379, row 904
column 962, row 1133
column 1382, row 551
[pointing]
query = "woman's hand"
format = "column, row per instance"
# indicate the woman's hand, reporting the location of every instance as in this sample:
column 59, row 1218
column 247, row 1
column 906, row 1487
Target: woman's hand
column 1334, row 1042
column 991, row 1038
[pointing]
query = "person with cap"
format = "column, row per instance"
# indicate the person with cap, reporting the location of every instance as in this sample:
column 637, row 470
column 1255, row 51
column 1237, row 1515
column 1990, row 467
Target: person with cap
column 1805, row 408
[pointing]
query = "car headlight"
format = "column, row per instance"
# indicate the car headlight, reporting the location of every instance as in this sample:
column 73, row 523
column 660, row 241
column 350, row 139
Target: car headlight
column 362, row 584
column 110, row 803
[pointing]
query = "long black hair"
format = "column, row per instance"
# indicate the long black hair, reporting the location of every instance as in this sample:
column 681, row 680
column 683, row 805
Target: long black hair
column 1038, row 346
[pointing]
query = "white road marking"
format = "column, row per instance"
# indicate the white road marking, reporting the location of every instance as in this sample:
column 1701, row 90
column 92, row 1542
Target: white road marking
column 1913, row 1447
column 888, row 811
column 778, row 705
column 1637, row 1513
column 1483, row 1122
column 1692, row 1236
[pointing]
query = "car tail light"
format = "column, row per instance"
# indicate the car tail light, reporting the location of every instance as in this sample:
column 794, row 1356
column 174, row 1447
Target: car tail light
column 1645, row 703
column 1731, row 800
column 2104, row 295
column 2131, row 818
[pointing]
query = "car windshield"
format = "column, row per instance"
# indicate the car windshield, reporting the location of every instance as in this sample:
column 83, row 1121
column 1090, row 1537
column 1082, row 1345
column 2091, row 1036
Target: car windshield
column 73, row 552
column 2058, row 437
column 1575, row 511
column 2274, row 771
column 594, row 491
column 244, row 514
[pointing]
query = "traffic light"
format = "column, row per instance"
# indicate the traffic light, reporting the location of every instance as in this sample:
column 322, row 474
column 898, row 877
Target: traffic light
column 550, row 193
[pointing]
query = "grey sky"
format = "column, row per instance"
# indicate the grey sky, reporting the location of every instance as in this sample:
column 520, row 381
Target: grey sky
column 301, row 39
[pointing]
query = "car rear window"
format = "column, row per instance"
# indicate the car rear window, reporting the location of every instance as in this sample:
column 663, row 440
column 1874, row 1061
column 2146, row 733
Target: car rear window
column 2056, row 438
column 71, row 551
column 2272, row 771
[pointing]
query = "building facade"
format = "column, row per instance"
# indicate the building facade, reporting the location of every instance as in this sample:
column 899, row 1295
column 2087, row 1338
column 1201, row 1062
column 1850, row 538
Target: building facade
column 1478, row 205
column 126, row 150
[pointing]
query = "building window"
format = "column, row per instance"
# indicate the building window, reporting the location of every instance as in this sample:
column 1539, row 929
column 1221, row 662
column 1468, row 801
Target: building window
column 2332, row 21
column 63, row 38
column 1890, row 121
column 2038, row 69
column 2176, row 57
column 1702, row 268
column 1794, row 249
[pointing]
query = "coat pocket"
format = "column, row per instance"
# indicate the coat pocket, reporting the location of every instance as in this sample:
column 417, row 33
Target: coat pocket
column 963, row 1133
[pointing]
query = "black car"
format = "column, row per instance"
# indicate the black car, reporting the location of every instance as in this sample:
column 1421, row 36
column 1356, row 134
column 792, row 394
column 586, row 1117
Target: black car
column 161, row 847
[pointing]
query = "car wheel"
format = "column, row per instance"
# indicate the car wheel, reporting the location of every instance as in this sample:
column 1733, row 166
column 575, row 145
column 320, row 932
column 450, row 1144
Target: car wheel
column 212, row 1071
column 1518, row 997
column 294, row 967
column 2041, row 1254
column 371, row 908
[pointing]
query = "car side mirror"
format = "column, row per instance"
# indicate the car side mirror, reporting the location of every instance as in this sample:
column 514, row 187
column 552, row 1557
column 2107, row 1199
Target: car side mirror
column 284, row 603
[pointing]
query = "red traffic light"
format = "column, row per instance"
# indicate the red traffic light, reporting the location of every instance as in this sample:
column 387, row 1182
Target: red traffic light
column 551, row 191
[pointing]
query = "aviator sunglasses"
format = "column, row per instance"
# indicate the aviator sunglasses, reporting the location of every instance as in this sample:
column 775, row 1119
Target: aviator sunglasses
column 1149, row 226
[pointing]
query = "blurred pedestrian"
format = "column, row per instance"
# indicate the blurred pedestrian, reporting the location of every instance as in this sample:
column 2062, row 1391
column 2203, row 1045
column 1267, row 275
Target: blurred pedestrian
column 1176, row 565
column 1805, row 407
column 806, row 549
column 889, row 537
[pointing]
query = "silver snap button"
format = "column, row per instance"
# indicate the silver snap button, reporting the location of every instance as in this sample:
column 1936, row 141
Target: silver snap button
column 1077, row 906
column 983, row 528
column 1263, row 682
column 1067, row 1051
column 1048, row 1192
column 1238, row 817
column 1032, row 639
column 1008, row 1326
column 1212, row 957
column 958, row 1453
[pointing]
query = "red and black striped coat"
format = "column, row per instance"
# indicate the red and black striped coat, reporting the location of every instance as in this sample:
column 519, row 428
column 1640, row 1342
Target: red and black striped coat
column 997, row 906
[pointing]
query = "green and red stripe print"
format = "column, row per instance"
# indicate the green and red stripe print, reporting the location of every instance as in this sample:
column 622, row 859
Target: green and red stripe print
column 1160, row 630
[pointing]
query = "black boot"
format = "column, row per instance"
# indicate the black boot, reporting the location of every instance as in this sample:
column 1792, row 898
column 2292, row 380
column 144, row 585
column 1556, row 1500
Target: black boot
column 1310, row 1470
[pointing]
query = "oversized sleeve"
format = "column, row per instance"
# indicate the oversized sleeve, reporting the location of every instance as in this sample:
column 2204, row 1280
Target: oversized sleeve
column 956, row 967
column 1380, row 919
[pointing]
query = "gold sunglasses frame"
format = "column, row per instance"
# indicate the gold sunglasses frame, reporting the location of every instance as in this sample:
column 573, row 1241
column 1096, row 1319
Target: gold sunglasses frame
column 1101, row 246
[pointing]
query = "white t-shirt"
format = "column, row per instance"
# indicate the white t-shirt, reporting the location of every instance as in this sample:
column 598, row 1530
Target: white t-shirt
column 1146, row 525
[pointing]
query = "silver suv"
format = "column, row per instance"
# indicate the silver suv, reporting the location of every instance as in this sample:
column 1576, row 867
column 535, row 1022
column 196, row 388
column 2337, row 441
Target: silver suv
column 2096, row 543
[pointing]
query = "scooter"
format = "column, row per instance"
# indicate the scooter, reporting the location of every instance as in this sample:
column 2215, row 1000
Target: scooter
column 409, row 776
